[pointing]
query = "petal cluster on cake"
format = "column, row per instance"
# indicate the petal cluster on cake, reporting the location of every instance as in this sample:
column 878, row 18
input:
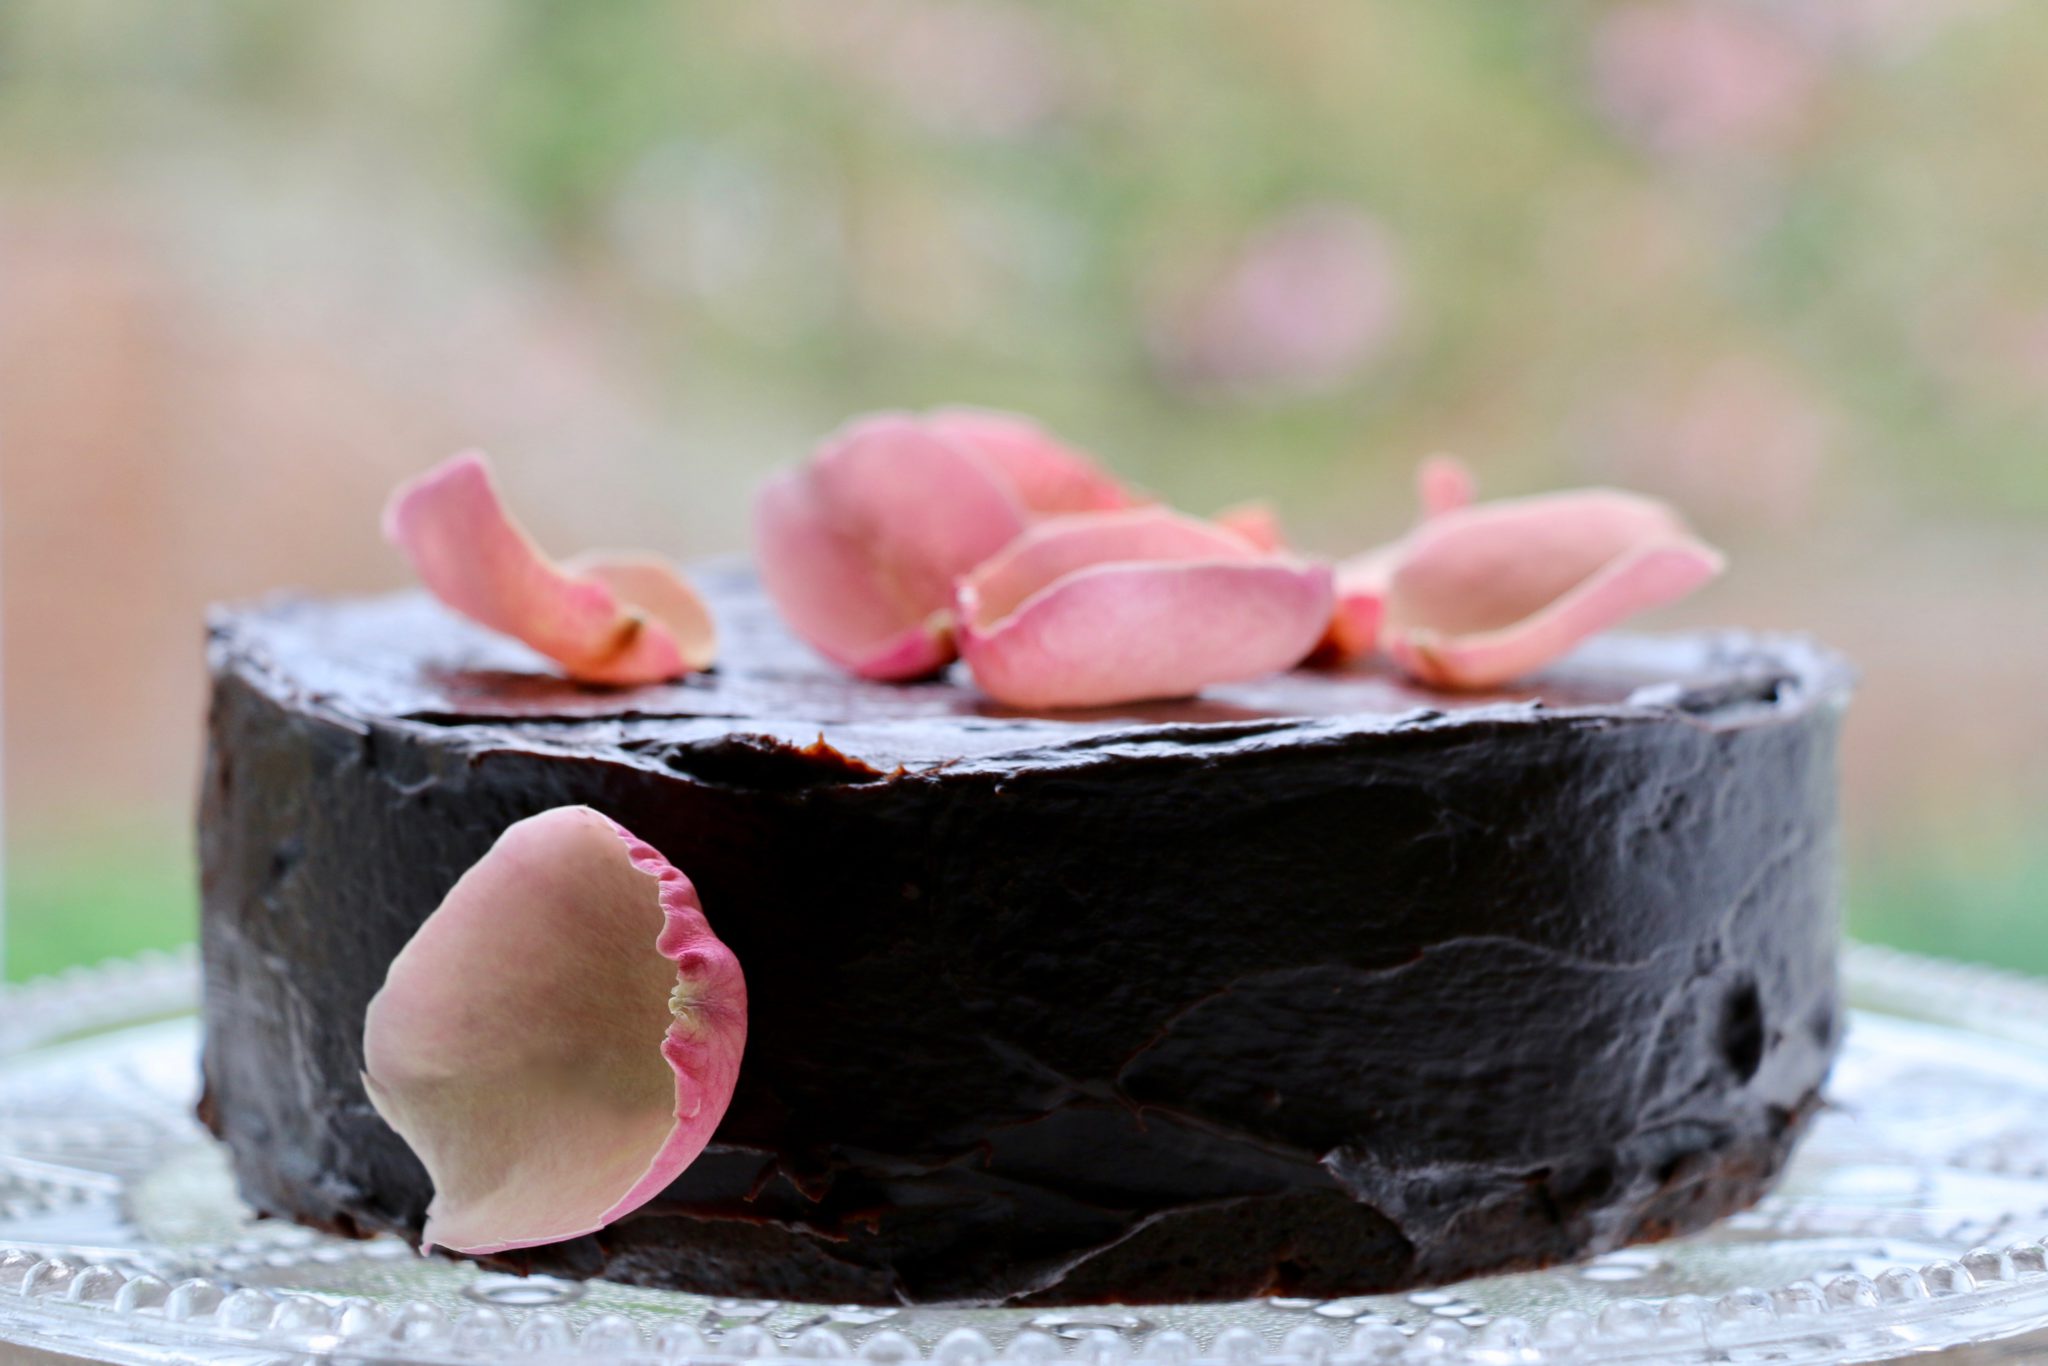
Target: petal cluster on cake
column 908, row 541
column 613, row 618
column 560, row 1037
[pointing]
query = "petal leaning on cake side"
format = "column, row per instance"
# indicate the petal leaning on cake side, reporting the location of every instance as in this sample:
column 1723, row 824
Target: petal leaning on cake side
column 559, row 1039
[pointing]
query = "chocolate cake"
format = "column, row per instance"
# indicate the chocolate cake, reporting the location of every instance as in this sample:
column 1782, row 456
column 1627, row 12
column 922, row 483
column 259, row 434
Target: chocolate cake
column 1312, row 986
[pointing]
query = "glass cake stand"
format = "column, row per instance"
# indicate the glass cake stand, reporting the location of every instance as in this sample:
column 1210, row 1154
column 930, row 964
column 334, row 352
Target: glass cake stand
column 1906, row 1225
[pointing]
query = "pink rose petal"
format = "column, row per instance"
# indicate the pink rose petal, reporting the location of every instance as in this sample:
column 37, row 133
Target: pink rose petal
column 859, row 547
column 1258, row 522
column 1360, row 607
column 1485, row 595
column 649, row 585
column 645, row 627
column 559, row 1039
column 1443, row 484
column 1063, row 545
column 1100, row 609
column 1047, row 475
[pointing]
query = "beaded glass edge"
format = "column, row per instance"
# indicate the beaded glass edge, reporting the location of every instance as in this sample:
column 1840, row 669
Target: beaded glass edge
column 120, row 1313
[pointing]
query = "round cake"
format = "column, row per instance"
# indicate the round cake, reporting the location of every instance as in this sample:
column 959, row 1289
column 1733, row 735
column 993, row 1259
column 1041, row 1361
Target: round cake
column 1314, row 986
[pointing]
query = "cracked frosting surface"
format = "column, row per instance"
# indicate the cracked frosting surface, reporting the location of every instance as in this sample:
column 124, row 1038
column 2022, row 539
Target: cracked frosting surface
column 1318, row 985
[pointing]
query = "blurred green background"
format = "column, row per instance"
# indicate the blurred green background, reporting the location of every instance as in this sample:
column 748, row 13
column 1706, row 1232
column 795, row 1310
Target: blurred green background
column 1782, row 261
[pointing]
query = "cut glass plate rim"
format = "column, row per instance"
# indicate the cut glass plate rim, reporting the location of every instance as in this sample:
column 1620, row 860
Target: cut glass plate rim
column 107, row 1304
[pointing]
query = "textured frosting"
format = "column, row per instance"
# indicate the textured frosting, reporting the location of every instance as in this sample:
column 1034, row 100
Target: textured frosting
column 1317, row 986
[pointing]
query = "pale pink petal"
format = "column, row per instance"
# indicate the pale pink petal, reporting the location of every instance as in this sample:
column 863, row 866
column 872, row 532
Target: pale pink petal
column 1642, row 579
column 1047, row 475
column 559, row 1039
column 1355, row 624
column 1361, row 605
column 830, row 592
column 1443, row 483
column 1126, row 632
column 1099, row 609
column 1487, row 594
column 1062, row 545
column 1258, row 522
column 859, row 548
column 467, row 550
column 915, row 652
column 650, row 585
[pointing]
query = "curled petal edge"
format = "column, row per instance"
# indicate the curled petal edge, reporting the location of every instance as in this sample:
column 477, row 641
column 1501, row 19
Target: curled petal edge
column 1126, row 632
column 1060, row 546
column 860, row 546
column 624, row 620
column 1048, row 476
column 1258, row 522
column 1443, row 484
column 1649, row 576
column 474, row 1035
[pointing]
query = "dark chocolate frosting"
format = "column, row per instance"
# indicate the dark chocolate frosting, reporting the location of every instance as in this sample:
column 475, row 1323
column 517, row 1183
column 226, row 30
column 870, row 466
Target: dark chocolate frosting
column 1317, row 985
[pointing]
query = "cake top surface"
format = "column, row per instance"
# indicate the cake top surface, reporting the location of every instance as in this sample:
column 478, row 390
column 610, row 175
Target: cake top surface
column 404, row 657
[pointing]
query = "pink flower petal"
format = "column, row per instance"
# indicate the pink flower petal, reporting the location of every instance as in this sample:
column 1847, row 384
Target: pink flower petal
column 1443, row 484
column 467, row 550
column 859, row 547
column 1487, row 594
column 649, row 585
column 1105, row 608
column 1360, row 607
column 1063, row 545
column 1308, row 300
column 559, row 1039
column 1047, row 475
column 1257, row 522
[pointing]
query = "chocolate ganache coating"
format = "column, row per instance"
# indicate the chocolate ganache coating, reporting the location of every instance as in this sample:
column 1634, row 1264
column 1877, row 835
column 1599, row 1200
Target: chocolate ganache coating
column 1318, row 985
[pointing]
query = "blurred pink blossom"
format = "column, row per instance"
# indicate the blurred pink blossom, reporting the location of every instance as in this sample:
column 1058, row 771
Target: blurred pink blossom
column 1883, row 30
column 1701, row 76
column 1303, row 304
column 1988, row 341
column 984, row 68
column 1740, row 441
column 2018, row 342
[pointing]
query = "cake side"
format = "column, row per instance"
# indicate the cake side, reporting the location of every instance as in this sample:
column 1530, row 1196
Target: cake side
column 1103, row 1009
